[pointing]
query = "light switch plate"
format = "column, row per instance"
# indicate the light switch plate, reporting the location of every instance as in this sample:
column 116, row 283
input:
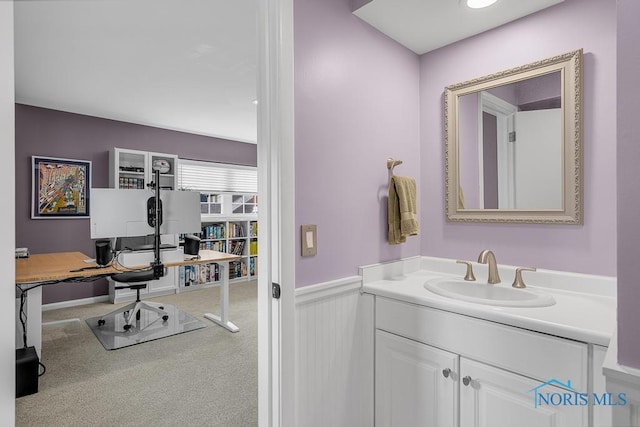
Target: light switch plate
column 309, row 237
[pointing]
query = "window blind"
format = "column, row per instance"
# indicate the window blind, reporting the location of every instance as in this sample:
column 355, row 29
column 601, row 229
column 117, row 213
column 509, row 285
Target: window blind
column 216, row 177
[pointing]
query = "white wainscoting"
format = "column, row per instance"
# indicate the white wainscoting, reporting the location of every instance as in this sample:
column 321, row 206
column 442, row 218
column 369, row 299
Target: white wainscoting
column 334, row 355
column 622, row 379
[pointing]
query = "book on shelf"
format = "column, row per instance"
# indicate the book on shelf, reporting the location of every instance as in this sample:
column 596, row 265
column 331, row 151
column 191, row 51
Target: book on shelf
column 253, row 266
column 253, row 247
column 214, row 272
column 236, row 230
column 236, row 247
column 253, row 229
column 237, row 269
column 187, row 275
column 213, row 231
column 203, row 274
column 199, row 274
column 220, row 246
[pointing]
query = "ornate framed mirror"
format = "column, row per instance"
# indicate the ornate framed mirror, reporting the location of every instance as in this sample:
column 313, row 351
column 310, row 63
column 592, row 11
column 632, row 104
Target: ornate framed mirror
column 513, row 144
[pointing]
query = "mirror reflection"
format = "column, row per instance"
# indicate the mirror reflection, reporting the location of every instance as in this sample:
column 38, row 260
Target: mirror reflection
column 513, row 144
column 510, row 140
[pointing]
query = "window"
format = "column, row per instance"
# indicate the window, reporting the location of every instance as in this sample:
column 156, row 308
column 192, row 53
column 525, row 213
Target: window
column 209, row 177
column 224, row 189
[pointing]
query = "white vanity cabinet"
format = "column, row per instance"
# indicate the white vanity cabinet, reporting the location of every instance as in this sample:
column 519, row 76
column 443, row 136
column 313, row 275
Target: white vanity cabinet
column 443, row 369
column 492, row 397
column 413, row 383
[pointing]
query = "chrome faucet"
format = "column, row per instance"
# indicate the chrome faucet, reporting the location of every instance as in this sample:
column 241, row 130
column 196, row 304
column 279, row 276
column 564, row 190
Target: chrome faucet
column 487, row 257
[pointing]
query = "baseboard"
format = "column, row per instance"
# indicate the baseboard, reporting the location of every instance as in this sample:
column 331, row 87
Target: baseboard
column 74, row 302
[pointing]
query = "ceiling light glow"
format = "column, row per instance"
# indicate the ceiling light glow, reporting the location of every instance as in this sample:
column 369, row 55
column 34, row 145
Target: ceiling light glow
column 479, row 4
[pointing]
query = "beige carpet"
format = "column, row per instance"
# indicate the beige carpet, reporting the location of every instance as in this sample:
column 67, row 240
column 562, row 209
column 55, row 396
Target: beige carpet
column 206, row 377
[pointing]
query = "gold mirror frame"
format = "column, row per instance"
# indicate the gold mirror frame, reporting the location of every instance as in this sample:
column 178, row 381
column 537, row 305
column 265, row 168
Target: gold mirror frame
column 570, row 65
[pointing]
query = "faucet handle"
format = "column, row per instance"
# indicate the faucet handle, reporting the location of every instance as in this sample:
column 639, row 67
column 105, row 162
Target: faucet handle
column 517, row 281
column 469, row 275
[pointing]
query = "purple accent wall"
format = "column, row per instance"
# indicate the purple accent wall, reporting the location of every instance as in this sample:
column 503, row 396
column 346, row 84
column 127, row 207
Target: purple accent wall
column 589, row 248
column 628, row 194
column 356, row 104
column 45, row 132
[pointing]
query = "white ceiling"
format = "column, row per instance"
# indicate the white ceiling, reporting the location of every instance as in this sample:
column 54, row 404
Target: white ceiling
column 425, row 25
column 187, row 65
column 190, row 65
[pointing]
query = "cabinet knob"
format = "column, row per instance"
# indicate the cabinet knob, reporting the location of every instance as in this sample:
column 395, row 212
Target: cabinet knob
column 466, row 380
column 446, row 372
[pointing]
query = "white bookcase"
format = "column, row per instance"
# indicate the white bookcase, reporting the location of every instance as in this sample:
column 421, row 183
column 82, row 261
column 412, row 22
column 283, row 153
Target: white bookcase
column 229, row 224
column 134, row 169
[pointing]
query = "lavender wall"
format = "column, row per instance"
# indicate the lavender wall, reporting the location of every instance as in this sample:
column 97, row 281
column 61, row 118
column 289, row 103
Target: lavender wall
column 544, row 87
column 628, row 194
column 53, row 133
column 590, row 248
column 356, row 104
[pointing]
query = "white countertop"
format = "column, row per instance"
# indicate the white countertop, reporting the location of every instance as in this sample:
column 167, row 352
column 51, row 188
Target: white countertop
column 582, row 316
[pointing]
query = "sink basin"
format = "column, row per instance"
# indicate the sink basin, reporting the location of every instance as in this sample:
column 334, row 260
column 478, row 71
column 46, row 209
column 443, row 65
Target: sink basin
column 482, row 293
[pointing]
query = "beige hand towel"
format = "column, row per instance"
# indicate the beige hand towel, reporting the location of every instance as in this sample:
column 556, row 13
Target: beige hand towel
column 402, row 217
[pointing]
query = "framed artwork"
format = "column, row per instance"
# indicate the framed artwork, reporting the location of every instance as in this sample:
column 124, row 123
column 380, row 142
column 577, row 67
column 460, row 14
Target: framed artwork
column 60, row 188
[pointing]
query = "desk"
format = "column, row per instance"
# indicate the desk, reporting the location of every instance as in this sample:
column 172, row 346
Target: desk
column 56, row 267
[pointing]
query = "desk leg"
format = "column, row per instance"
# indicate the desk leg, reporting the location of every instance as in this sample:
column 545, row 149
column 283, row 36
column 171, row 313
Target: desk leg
column 223, row 319
column 33, row 310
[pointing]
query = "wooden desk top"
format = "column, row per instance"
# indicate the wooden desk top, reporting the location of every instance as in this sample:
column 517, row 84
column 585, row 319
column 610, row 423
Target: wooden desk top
column 60, row 265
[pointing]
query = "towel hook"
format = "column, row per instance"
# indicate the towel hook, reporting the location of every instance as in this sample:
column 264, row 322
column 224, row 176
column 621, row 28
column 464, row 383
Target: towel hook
column 392, row 163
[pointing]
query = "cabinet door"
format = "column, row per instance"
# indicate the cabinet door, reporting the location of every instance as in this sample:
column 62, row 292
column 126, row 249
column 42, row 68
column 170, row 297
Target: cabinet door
column 127, row 169
column 497, row 398
column 411, row 389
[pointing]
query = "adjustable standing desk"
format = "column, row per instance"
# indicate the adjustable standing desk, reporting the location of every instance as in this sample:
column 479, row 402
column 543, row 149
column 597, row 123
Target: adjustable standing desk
column 40, row 269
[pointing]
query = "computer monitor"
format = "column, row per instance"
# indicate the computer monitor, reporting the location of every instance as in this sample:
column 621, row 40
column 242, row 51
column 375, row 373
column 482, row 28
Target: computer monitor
column 123, row 213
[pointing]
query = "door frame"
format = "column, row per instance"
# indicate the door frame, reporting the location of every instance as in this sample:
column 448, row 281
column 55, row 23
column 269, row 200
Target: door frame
column 7, row 225
column 276, row 192
column 276, row 340
column 504, row 113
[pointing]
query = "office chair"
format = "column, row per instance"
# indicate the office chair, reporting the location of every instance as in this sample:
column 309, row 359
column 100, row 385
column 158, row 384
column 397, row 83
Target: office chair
column 135, row 280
